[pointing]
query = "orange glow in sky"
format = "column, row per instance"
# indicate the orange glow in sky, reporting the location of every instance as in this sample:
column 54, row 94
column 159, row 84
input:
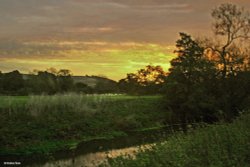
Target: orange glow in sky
column 98, row 37
column 93, row 58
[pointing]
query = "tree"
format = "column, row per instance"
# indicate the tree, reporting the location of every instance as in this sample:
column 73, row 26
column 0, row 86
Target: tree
column 232, row 23
column 204, row 79
column 148, row 80
column 65, row 80
column 52, row 70
column 64, row 73
column 1, row 81
column 12, row 82
column 83, row 88
column 39, row 82
column 105, row 86
column 189, row 81
column 129, row 84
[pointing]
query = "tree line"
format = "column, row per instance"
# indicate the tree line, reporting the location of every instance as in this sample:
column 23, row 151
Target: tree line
column 147, row 81
column 210, row 78
column 50, row 82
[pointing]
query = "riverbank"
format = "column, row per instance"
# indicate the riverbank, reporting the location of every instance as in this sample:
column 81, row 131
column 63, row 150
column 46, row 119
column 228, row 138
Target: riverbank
column 47, row 124
column 92, row 148
column 218, row 145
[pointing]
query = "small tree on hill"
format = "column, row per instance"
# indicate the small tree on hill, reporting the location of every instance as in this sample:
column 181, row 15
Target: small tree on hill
column 65, row 80
column 12, row 82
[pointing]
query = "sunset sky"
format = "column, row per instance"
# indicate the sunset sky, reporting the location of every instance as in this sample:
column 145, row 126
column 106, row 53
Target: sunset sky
column 98, row 37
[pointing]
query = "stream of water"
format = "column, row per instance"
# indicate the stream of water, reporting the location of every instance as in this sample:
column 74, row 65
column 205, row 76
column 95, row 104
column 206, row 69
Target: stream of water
column 95, row 152
column 95, row 159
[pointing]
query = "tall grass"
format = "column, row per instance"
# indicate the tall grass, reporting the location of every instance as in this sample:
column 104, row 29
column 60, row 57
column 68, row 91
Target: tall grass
column 63, row 103
column 48, row 119
column 224, row 145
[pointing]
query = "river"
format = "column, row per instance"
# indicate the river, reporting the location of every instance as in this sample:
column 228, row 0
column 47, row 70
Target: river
column 95, row 152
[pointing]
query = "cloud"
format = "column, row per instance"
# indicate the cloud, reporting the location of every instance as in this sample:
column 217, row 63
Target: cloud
column 33, row 19
column 73, row 33
column 89, row 30
column 17, row 49
column 92, row 57
column 143, row 5
column 80, row 19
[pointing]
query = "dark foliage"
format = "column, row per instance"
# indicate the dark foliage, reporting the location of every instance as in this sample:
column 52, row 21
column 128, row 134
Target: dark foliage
column 149, row 80
column 195, row 90
column 51, row 82
column 210, row 82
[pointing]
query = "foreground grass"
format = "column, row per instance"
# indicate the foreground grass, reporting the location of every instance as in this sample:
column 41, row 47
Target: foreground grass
column 44, row 124
column 11, row 101
column 224, row 145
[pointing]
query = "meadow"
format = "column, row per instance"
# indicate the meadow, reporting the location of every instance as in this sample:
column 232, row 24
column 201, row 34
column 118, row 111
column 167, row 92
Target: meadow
column 218, row 145
column 45, row 124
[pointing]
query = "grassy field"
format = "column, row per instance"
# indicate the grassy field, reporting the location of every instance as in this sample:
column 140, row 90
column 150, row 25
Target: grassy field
column 43, row 124
column 221, row 145
column 8, row 101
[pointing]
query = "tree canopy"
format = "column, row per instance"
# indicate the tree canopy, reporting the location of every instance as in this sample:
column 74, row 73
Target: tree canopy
column 148, row 80
column 208, row 82
column 232, row 23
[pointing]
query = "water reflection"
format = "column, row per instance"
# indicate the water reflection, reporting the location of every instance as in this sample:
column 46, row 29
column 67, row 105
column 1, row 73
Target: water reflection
column 94, row 152
column 95, row 159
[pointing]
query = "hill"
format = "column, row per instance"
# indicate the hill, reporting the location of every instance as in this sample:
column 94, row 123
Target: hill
column 93, row 81
column 90, row 84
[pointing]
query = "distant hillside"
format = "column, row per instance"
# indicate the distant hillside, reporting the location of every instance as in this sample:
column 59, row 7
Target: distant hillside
column 15, row 83
column 92, row 81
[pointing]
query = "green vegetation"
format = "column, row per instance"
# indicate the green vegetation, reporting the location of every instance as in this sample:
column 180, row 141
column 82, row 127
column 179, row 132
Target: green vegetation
column 220, row 145
column 149, row 80
column 53, row 82
column 8, row 101
column 207, row 82
column 43, row 124
column 209, row 79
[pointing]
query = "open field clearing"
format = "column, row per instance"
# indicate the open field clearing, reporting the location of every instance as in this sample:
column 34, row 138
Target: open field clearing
column 43, row 124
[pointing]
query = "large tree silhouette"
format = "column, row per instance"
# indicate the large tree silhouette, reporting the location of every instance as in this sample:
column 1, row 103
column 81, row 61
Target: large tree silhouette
column 187, row 86
column 233, row 24
column 210, row 81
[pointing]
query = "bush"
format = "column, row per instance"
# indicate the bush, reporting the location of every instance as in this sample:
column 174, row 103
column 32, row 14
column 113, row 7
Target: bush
column 216, row 145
